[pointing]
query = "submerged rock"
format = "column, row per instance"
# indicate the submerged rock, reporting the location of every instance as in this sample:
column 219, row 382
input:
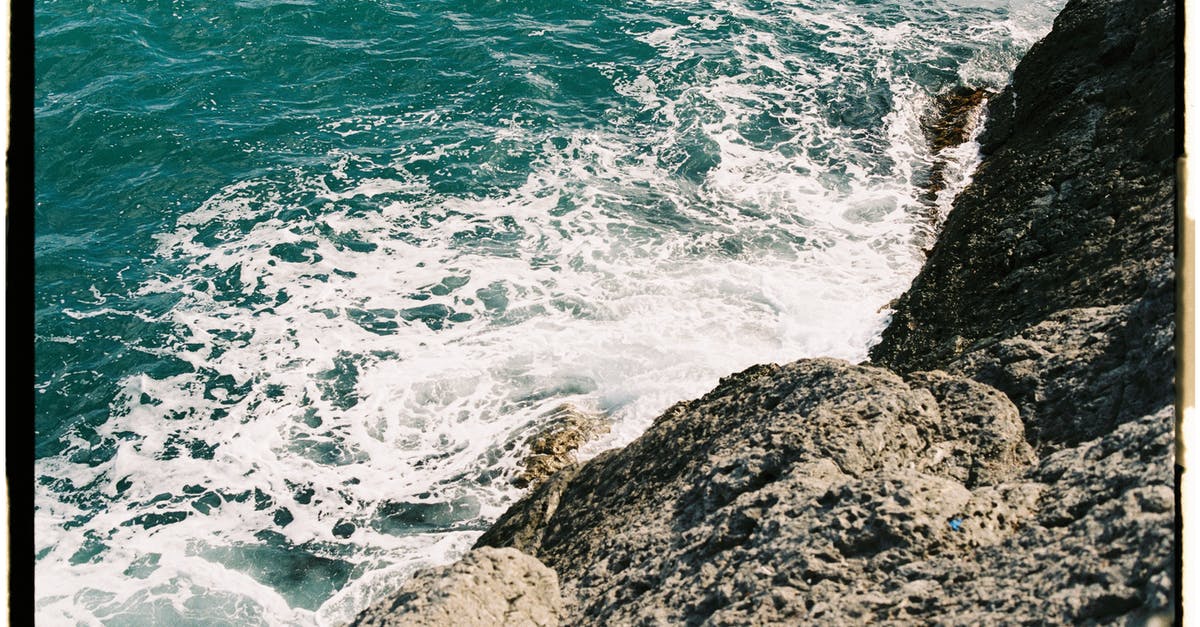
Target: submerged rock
column 1072, row 210
column 553, row 447
column 955, row 116
column 1007, row 458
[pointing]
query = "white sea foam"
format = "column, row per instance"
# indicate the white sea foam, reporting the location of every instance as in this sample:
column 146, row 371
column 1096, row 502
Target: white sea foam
column 347, row 361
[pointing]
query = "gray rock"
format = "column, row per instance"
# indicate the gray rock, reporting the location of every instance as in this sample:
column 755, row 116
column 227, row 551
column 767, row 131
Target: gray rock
column 522, row 528
column 1072, row 210
column 561, row 432
column 486, row 587
column 1099, row 548
column 782, row 482
column 1082, row 372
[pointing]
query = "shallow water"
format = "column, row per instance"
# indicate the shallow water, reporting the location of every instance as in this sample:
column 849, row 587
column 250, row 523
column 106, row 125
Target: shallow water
column 306, row 272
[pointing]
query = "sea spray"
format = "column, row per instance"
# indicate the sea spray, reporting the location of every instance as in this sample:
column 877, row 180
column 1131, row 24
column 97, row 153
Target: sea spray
column 269, row 390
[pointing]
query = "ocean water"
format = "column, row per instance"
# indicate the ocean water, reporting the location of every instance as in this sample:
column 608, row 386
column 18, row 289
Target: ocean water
column 307, row 273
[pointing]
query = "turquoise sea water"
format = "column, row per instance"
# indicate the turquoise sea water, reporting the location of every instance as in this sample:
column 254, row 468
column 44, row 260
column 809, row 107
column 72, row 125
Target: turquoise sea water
column 307, row 273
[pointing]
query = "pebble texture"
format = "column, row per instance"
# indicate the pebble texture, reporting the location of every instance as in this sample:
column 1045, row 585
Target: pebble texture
column 779, row 480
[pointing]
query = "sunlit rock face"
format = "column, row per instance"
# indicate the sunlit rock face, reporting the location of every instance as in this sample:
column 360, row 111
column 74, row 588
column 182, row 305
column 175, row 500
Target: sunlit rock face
column 1006, row 456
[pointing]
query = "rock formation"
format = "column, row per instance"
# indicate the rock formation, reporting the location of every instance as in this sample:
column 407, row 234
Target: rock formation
column 825, row 491
column 561, row 432
column 955, row 116
column 1053, row 276
column 486, row 587
column 1007, row 455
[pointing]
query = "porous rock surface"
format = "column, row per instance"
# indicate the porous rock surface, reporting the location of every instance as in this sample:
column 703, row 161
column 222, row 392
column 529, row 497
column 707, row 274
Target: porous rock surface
column 561, row 432
column 955, row 116
column 1006, row 458
column 486, row 587
column 824, row 491
column 1053, row 276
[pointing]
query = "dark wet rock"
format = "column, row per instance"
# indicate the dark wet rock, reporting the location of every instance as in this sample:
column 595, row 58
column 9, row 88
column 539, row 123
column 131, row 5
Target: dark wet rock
column 561, row 432
column 486, row 587
column 955, row 115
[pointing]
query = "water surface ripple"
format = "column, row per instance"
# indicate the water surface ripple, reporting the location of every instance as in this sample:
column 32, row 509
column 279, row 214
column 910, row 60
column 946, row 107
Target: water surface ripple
column 308, row 272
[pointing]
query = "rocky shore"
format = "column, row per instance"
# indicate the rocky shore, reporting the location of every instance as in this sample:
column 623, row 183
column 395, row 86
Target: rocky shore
column 1006, row 457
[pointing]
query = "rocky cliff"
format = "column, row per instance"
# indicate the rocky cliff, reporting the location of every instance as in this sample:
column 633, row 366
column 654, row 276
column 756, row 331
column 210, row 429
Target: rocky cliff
column 1053, row 277
column 1006, row 457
